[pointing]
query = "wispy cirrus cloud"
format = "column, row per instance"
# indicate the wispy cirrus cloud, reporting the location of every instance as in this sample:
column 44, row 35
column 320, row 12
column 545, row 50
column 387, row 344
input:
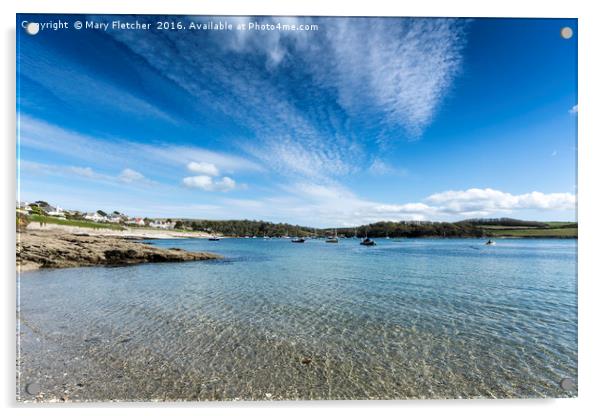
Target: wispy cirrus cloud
column 130, row 175
column 302, row 95
column 126, row 176
column 73, row 84
column 133, row 158
column 398, row 72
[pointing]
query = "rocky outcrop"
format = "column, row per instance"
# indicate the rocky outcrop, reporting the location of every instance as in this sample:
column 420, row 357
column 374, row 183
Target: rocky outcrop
column 48, row 249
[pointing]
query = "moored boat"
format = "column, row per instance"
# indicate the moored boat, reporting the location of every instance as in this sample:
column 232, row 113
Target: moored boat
column 333, row 239
column 367, row 242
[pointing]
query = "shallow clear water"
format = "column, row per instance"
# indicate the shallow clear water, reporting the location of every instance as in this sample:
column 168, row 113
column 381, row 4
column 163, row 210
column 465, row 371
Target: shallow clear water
column 410, row 318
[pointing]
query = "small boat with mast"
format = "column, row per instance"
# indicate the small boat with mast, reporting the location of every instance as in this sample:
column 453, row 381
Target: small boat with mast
column 333, row 238
column 367, row 241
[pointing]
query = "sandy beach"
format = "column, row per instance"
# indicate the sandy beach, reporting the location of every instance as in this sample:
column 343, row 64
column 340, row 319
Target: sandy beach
column 142, row 233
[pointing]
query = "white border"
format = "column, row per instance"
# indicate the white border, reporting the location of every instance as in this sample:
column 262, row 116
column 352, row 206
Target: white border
column 590, row 233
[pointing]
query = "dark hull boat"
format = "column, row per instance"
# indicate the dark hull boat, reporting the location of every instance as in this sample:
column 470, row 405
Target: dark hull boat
column 367, row 242
column 298, row 240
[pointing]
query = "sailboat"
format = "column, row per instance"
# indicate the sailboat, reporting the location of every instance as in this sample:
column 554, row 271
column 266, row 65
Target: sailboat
column 367, row 242
column 333, row 239
column 298, row 240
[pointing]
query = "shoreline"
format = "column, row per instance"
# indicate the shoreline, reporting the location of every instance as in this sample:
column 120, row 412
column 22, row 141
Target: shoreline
column 131, row 233
column 62, row 247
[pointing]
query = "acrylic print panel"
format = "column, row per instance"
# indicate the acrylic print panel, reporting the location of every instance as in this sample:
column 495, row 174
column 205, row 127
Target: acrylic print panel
column 295, row 208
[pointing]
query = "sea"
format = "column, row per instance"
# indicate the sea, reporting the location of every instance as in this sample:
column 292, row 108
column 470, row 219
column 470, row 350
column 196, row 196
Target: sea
column 276, row 320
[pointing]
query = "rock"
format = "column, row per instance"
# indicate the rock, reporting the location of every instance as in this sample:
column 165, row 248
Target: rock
column 32, row 388
column 306, row 360
column 47, row 249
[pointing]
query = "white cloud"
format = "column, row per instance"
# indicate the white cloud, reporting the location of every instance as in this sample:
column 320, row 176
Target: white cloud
column 311, row 203
column 202, row 181
column 488, row 201
column 574, row 109
column 225, row 184
column 129, row 175
column 207, row 183
column 203, row 168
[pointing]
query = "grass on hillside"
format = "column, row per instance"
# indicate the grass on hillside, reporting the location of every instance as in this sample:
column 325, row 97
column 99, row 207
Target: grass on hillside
column 73, row 223
column 558, row 224
column 534, row 232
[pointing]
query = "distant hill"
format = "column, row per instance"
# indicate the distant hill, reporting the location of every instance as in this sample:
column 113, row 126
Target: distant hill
column 510, row 227
column 505, row 222
column 475, row 228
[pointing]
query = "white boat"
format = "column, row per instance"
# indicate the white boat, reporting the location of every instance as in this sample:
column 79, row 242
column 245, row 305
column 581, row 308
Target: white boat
column 333, row 239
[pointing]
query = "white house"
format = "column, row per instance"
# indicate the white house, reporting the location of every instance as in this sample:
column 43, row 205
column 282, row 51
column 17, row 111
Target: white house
column 95, row 216
column 56, row 212
column 114, row 218
column 165, row 225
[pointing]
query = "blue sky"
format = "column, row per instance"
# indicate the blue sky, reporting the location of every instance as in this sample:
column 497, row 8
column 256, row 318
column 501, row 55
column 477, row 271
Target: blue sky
column 364, row 119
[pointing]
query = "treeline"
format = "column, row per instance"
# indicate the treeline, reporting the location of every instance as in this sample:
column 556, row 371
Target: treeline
column 505, row 222
column 241, row 228
column 413, row 229
column 402, row 229
column 409, row 229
